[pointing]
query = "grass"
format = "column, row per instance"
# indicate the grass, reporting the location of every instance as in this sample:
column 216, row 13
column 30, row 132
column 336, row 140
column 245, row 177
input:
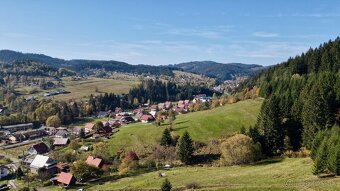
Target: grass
column 84, row 88
column 220, row 121
column 202, row 126
column 286, row 174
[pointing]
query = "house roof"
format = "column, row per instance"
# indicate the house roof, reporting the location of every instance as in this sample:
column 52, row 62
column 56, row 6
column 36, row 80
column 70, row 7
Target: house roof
column 61, row 133
column 93, row 161
column 89, row 126
column 146, row 117
column 41, row 148
column 60, row 141
column 65, row 178
column 40, row 161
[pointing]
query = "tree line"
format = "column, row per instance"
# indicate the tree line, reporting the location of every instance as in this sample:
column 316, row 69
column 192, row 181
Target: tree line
column 302, row 100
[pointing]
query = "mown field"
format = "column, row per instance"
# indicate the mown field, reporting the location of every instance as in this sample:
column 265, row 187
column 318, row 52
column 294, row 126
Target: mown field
column 202, row 126
column 274, row 174
column 84, row 88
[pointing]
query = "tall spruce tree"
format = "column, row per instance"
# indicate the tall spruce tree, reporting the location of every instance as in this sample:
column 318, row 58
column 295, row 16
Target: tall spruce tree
column 185, row 148
column 315, row 115
column 166, row 138
column 269, row 124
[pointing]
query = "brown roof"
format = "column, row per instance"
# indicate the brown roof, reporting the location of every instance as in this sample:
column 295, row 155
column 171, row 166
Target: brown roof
column 94, row 161
column 65, row 178
column 89, row 125
column 41, row 148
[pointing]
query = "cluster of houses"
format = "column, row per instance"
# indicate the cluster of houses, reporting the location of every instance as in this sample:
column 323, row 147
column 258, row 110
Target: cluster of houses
column 58, row 172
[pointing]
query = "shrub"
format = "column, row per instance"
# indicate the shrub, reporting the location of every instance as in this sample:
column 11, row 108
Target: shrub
column 129, row 163
column 239, row 149
column 166, row 186
column 192, row 185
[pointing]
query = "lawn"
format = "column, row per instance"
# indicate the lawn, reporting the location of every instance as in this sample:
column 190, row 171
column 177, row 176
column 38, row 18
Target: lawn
column 275, row 174
column 202, row 125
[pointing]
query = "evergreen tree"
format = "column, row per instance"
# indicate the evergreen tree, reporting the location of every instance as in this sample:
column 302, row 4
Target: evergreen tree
column 186, row 149
column 320, row 162
column 315, row 115
column 166, row 185
column 82, row 133
column 269, row 124
column 166, row 138
column 19, row 173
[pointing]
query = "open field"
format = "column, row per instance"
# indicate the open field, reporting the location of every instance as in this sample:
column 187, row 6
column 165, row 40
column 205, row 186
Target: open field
column 275, row 174
column 220, row 121
column 202, row 125
column 83, row 88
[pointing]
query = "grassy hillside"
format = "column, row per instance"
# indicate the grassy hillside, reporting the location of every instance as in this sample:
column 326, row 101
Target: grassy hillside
column 84, row 88
column 279, row 174
column 202, row 125
column 220, row 121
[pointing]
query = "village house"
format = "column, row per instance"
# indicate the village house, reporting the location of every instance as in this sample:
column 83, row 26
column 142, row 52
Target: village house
column 94, row 161
column 89, row 127
column 66, row 179
column 147, row 118
column 168, row 104
column 35, row 134
column 17, row 127
column 16, row 138
column 62, row 133
column 43, row 164
column 102, row 114
column 77, row 130
column 39, row 148
column 57, row 141
column 138, row 116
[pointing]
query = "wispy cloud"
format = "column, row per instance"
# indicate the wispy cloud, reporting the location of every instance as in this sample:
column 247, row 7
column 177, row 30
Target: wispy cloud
column 265, row 34
column 211, row 32
column 307, row 15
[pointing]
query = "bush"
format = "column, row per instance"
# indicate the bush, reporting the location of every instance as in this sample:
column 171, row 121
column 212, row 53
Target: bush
column 192, row 185
column 239, row 149
column 166, row 186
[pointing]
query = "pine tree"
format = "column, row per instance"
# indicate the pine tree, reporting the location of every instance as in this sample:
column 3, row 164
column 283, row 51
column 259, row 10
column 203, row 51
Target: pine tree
column 269, row 124
column 315, row 115
column 166, row 186
column 320, row 162
column 166, row 138
column 82, row 133
column 333, row 151
column 186, row 148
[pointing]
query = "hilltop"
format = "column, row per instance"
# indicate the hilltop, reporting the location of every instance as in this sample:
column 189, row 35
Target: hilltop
column 219, row 70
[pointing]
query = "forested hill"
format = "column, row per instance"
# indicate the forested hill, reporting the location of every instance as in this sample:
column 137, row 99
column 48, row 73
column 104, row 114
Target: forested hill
column 302, row 104
column 219, row 70
column 207, row 68
column 82, row 66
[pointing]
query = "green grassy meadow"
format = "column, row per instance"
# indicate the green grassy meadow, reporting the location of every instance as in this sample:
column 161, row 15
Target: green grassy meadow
column 274, row 174
column 202, row 125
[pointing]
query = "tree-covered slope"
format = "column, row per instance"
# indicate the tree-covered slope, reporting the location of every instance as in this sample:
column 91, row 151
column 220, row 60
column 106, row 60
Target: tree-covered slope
column 219, row 70
column 302, row 105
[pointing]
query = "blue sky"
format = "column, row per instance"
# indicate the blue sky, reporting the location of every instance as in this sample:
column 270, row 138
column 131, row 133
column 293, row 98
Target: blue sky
column 168, row 32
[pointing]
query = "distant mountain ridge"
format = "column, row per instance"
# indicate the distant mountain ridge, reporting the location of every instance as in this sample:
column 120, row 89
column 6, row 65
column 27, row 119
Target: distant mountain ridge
column 219, row 70
column 207, row 68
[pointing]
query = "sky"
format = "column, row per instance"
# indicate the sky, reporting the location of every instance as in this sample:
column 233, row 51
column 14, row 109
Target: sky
column 163, row 32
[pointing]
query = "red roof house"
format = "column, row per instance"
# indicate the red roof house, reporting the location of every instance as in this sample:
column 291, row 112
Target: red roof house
column 66, row 179
column 89, row 127
column 147, row 118
column 97, row 162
